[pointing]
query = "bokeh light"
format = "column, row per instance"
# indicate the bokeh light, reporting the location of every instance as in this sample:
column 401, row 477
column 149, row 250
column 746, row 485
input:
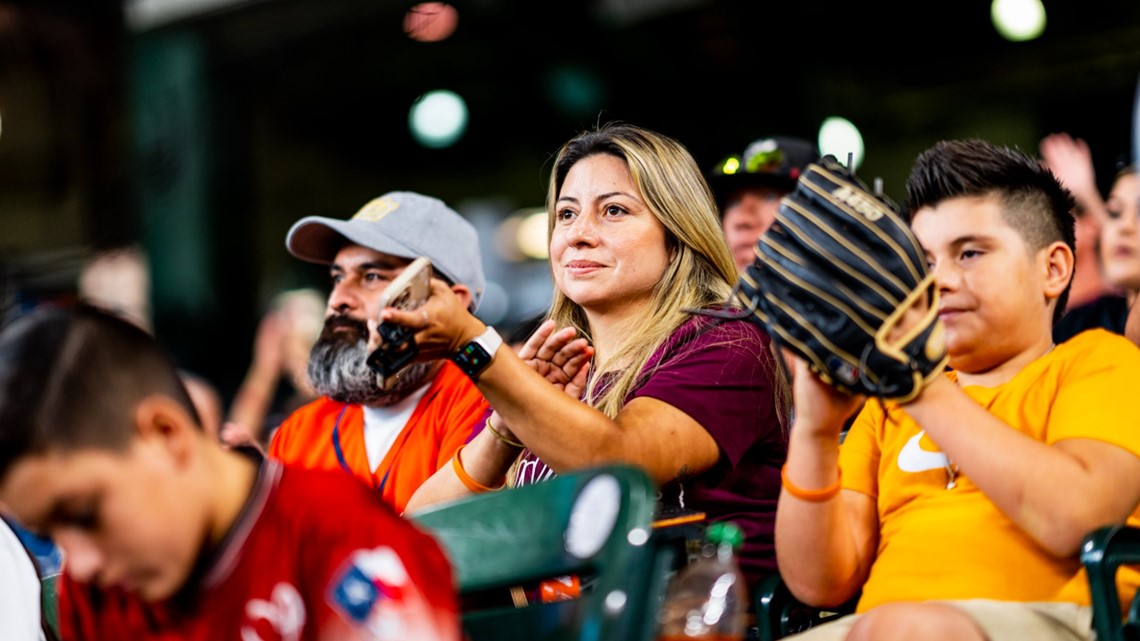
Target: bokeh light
column 532, row 236
column 1018, row 20
column 839, row 137
column 431, row 21
column 730, row 165
column 575, row 90
column 438, row 118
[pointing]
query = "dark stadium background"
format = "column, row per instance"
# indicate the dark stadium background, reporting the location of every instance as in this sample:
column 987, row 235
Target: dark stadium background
column 205, row 137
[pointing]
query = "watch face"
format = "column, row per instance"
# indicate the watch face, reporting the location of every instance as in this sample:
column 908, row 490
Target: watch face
column 477, row 356
column 472, row 359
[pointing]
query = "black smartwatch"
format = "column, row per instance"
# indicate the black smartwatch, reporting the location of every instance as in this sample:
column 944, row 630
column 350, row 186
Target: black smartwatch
column 476, row 355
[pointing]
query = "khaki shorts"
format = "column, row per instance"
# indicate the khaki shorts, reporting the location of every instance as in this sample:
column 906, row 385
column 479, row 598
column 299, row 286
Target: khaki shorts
column 1000, row 620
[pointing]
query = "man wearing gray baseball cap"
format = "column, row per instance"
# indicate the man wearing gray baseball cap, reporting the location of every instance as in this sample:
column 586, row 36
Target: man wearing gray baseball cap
column 391, row 439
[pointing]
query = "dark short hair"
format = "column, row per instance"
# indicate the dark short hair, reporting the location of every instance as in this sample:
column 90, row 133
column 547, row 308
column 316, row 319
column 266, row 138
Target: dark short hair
column 1033, row 201
column 71, row 378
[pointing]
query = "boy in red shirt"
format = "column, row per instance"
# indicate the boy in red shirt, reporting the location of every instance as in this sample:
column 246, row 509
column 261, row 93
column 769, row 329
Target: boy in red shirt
column 166, row 535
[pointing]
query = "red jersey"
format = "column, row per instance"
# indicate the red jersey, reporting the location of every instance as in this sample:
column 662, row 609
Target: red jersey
column 314, row 556
column 329, row 435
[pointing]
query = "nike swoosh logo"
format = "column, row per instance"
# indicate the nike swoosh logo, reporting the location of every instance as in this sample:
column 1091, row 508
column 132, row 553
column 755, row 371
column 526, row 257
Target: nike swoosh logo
column 912, row 458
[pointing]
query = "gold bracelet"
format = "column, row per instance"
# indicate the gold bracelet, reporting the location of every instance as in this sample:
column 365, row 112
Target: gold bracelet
column 500, row 436
column 812, row 496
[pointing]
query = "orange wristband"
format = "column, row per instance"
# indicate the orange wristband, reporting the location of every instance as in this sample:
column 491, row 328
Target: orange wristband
column 812, row 496
column 465, row 478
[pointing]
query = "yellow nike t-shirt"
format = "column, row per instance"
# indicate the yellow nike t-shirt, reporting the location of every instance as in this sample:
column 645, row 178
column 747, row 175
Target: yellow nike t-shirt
column 940, row 543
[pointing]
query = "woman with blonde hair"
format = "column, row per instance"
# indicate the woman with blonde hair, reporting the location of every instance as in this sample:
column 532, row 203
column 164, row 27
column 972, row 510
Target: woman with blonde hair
column 663, row 376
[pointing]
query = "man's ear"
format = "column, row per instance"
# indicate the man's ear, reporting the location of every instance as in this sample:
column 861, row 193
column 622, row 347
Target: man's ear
column 1057, row 267
column 161, row 422
column 464, row 294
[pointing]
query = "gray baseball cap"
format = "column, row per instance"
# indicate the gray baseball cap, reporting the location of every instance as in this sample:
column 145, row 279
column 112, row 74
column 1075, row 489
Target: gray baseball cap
column 403, row 224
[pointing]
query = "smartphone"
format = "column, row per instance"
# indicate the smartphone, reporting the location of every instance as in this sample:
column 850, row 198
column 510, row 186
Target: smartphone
column 409, row 291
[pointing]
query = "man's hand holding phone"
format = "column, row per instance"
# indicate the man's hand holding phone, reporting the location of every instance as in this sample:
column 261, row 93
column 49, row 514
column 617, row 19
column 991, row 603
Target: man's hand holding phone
column 409, row 291
column 443, row 325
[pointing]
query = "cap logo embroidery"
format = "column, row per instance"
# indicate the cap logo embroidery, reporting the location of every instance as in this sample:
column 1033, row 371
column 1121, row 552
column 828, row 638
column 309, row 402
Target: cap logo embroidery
column 377, row 209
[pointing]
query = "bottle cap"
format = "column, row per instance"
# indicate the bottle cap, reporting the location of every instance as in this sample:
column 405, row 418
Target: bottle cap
column 725, row 532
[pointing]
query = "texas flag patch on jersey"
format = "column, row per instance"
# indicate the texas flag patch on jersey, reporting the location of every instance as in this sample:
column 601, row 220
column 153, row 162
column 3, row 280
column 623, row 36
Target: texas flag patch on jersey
column 368, row 591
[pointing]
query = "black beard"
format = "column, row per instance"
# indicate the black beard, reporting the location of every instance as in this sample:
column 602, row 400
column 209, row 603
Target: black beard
column 338, row 368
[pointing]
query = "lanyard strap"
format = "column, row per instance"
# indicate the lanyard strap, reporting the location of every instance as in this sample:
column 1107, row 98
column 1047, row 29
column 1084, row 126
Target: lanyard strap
column 340, row 452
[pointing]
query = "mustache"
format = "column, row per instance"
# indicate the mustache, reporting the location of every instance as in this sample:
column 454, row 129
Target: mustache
column 358, row 329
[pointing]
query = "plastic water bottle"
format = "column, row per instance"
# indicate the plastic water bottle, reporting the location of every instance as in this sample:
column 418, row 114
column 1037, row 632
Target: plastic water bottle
column 708, row 598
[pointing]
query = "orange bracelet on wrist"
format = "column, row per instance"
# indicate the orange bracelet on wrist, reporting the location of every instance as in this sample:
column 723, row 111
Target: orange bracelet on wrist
column 465, row 478
column 812, row 496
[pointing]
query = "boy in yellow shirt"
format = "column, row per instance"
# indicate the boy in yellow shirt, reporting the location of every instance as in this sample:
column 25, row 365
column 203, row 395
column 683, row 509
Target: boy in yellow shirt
column 960, row 513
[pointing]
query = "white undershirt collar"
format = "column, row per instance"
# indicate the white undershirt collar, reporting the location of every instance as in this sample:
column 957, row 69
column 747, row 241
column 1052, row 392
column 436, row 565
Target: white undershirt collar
column 383, row 424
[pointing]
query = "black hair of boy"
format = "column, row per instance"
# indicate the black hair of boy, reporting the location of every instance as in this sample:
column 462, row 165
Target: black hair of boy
column 70, row 378
column 1033, row 201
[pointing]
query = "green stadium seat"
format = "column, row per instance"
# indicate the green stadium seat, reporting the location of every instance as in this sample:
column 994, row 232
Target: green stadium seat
column 1102, row 553
column 594, row 524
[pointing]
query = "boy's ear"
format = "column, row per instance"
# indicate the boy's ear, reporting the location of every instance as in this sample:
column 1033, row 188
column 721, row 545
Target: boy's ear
column 1058, row 268
column 162, row 422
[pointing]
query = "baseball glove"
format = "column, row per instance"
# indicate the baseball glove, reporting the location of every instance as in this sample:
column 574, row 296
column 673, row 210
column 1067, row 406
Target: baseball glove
column 834, row 275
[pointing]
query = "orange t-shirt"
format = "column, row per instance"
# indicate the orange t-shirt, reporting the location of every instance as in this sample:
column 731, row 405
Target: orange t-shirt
column 937, row 543
column 440, row 423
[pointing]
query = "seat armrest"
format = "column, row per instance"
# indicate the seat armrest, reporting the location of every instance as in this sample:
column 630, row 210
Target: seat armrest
column 779, row 613
column 1104, row 550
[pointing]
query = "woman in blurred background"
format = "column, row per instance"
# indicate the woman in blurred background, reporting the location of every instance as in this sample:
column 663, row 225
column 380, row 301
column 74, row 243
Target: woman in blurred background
column 1120, row 244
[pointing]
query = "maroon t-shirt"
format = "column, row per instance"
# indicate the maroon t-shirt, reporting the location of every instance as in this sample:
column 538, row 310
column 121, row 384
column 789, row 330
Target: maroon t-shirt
column 315, row 556
column 719, row 372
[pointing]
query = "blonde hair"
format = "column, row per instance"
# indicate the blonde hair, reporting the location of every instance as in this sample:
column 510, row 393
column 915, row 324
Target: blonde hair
column 701, row 274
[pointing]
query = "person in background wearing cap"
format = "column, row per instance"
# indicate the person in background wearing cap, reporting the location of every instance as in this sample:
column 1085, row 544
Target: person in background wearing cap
column 748, row 189
column 391, row 439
